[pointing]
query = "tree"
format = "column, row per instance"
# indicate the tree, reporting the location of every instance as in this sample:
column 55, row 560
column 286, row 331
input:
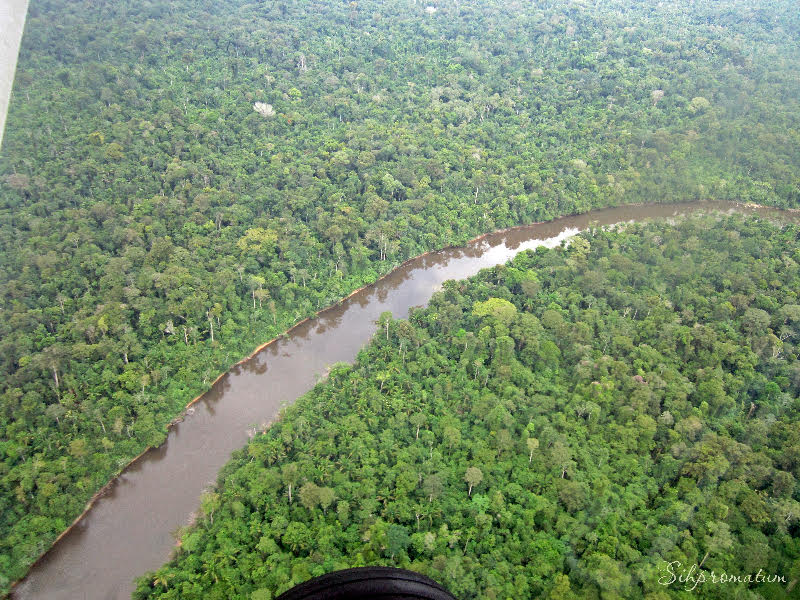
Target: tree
column 209, row 503
column 561, row 589
column 473, row 477
column 699, row 105
column 755, row 321
column 326, row 497
column 533, row 445
column 640, row 386
column 497, row 309
column 53, row 358
column 719, row 537
column 417, row 420
column 572, row 494
column 452, row 436
column 397, row 540
column 119, row 214
column 56, row 411
column 385, row 320
column 290, row 474
column 258, row 241
column 343, row 512
column 561, row 457
column 433, row 486
column 297, row 537
column 309, row 495
column 256, row 289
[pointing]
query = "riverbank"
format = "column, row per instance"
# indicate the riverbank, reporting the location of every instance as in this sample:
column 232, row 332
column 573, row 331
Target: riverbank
column 298, row 343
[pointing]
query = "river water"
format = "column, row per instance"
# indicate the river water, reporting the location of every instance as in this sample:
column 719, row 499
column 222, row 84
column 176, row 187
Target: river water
column 129, row 530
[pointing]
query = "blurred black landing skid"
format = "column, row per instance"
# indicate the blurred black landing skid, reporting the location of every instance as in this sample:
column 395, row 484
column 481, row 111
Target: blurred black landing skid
column 365, row 583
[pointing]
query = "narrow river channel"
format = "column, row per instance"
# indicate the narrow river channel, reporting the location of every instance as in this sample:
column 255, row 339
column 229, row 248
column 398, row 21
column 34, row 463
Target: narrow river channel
column 129, row 530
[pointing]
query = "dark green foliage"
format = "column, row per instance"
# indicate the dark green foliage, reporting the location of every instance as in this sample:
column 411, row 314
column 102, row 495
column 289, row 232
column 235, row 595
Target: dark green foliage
column 626, row 414
column 155, row 227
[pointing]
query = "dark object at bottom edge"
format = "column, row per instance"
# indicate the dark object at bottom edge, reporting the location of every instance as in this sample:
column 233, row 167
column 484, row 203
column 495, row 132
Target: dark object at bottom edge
column 363, row 583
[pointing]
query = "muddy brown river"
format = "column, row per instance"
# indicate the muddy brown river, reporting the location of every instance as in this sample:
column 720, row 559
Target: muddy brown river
column 129, row 530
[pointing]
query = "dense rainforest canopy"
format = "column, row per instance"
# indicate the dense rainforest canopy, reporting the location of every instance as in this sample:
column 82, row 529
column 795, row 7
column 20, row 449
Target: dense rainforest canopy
column 559, row 427
column 181, row 181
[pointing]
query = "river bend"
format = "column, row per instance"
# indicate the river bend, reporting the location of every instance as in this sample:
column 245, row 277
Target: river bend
column 129, row 530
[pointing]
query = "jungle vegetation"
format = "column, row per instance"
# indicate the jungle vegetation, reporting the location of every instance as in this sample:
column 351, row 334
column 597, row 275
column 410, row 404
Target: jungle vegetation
column 559, row 427
column 181, row 181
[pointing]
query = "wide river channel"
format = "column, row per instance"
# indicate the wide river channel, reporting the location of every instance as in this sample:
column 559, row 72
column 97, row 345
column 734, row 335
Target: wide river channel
column 129, row 530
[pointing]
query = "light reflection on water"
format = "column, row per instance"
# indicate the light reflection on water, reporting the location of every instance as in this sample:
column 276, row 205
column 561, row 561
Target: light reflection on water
column 129, row 530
